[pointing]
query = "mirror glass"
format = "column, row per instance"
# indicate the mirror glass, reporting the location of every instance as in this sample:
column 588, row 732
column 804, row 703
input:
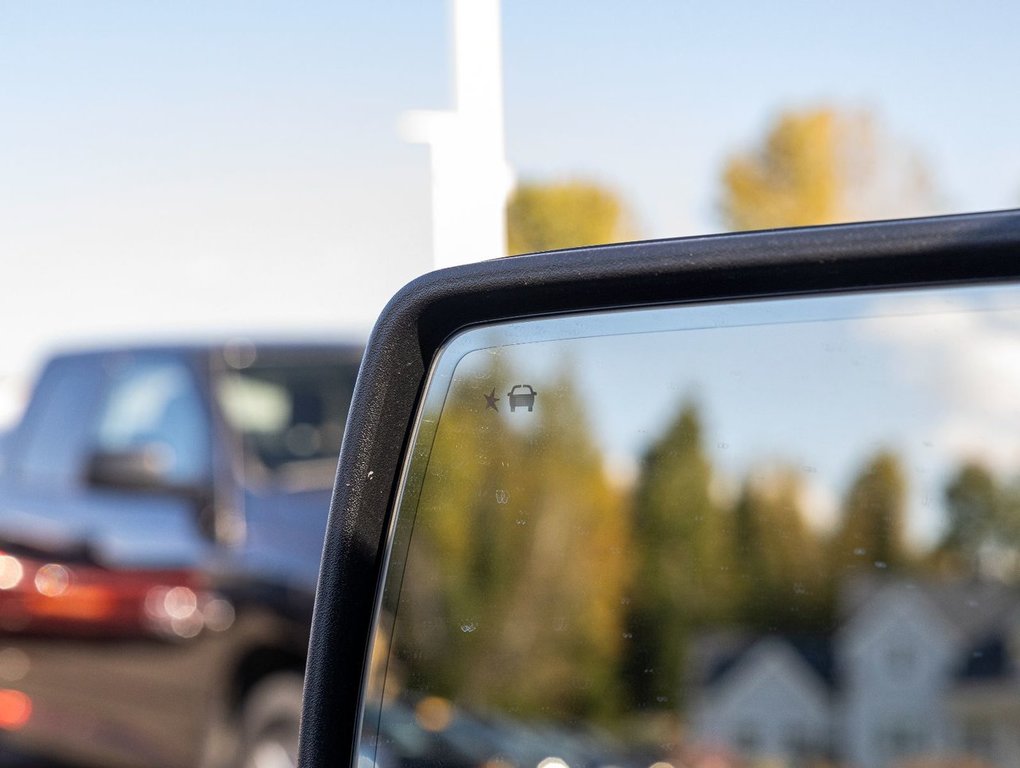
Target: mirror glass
column 774, row 532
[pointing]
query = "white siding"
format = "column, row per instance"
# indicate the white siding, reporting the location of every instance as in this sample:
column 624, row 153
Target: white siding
column 895, row 661
column 770, row 705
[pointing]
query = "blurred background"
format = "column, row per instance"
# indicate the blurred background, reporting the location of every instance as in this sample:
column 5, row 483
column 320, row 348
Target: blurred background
column 191, row 168
column 217, row 200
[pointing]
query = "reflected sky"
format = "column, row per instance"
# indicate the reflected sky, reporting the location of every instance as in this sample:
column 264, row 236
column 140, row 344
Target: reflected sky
column 818, row 384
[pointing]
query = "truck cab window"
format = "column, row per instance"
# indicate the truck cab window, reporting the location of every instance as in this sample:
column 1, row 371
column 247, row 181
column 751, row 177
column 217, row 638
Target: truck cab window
column 289, row 418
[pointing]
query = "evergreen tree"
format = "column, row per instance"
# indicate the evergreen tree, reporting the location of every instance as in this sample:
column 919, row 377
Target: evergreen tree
column 871, row 530
column 778, row 558
column 983, row 525
column 683, row 576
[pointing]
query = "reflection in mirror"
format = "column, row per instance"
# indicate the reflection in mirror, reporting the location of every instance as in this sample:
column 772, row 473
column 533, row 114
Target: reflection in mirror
column 780, row 533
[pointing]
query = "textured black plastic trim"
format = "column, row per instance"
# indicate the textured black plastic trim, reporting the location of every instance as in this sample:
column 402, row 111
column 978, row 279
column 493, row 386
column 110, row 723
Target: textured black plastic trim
column 952, row 249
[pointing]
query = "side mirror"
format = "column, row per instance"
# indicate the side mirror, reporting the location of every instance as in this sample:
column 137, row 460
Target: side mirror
column 718, row 501
column 144, row 468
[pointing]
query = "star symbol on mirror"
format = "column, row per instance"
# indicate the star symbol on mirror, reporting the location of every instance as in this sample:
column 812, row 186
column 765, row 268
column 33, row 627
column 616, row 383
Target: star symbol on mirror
column 491, row 400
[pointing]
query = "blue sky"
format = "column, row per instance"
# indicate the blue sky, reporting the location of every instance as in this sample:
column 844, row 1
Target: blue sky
column 189, row 167
column 819, row 385
column 654, row 98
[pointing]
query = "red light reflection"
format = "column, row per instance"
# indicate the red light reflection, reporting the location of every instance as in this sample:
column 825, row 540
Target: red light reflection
column 15, row 709
column 86, row 599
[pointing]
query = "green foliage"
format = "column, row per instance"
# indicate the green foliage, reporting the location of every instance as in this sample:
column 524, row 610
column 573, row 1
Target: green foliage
column 983, row 526
column 537, row 587
column 544, row 217
column 777, row 557
column 871, row 531
column 975, row 504
column 527, row 590
column 682, row 578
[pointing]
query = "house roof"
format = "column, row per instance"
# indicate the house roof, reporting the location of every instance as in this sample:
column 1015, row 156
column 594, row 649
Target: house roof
column 976, row 609
column 986, row 616
column 721, row 652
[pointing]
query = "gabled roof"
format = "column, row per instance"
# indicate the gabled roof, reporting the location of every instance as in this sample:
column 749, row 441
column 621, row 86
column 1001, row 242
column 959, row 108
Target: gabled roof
column 721, row 652
column 983, row 615
column 975, row 609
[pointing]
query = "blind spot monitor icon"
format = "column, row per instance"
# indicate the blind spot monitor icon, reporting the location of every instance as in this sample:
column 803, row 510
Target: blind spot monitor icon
column 518, row 398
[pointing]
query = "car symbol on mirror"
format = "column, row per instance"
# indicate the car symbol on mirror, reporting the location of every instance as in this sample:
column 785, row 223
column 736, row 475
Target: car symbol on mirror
column 521, row 399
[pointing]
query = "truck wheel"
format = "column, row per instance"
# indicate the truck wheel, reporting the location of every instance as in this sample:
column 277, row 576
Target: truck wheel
column 270, row 716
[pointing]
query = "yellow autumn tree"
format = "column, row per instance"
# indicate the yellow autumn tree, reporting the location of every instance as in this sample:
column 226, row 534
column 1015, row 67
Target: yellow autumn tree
column 570, row 214
column 511, row 597
column 822, row 166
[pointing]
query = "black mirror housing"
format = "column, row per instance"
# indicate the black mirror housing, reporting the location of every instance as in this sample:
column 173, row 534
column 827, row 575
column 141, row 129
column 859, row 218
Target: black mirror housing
column 145, row 468
column 955, row 250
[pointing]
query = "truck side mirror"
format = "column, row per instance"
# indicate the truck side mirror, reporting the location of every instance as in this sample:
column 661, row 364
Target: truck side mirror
column 646, row 504
column 146, row 467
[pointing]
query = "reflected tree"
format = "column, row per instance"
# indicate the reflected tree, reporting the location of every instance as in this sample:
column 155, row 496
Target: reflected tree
column 871, row 532
column 983, row 525
column 779, row 560
column 536, row 587
column 683, row 577
column 524, row 613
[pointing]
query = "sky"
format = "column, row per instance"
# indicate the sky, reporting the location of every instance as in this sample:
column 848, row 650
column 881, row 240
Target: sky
column 192, row 168
column 819, row 385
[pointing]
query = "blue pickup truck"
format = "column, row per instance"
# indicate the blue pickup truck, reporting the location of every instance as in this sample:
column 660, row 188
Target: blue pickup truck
column 162, row 511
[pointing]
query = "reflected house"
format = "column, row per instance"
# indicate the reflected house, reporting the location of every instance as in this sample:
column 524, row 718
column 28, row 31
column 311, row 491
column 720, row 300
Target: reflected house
column 896, row 655
column 915, row 669
column 768, row 697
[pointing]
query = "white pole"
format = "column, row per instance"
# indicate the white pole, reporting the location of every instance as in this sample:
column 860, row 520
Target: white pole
column 470, row 176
